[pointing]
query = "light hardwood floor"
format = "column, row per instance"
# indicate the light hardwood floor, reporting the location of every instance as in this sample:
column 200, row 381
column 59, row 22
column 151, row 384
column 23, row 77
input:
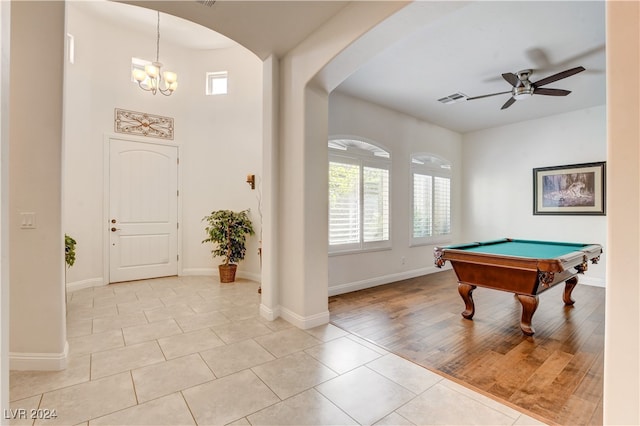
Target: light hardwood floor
column 556, row 375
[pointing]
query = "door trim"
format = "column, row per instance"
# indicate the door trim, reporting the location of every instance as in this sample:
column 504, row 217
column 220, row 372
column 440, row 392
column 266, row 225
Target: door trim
column 106, row 199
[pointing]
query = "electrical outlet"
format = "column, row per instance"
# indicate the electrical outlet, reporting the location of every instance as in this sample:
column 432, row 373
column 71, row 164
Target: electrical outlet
column 403, row 260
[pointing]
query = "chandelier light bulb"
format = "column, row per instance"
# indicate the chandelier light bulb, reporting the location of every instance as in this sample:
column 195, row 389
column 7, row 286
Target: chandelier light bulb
column 170, row 77
column 139, row 75
column 151, row 70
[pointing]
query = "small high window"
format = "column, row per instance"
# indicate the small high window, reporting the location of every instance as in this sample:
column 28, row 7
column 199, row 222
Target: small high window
column 217, row 83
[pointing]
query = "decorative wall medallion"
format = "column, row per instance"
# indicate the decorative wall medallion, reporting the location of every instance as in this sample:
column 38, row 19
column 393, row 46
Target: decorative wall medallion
column 140, row 123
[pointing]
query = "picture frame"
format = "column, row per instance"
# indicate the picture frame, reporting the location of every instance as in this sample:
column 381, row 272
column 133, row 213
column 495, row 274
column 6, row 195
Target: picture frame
column 575, row 189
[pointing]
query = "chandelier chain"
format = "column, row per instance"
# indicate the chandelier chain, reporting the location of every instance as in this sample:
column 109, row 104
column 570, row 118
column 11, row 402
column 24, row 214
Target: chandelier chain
column 158, row 39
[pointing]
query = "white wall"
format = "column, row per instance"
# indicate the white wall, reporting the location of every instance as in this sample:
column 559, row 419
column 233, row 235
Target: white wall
column 222, row 144
column 402, row 135
column 497, row 180
column 37, row 317
column 219, row 137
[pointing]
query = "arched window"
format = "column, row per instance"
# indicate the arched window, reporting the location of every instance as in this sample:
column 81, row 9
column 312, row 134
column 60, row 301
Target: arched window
column 431, row 199
column 358, row 195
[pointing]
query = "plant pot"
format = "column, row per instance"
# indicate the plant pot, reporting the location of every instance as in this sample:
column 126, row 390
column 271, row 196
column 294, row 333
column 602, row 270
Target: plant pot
column 227, row 273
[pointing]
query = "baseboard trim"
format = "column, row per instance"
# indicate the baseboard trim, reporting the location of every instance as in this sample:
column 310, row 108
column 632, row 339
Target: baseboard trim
column 384, row 279
column 199, row 271
column 213, row 272
column 249, row 276
column 268, row 313
column 299, row 321
column 592, row 281
column 88, row 283
column 305, row 323
column 24, row 361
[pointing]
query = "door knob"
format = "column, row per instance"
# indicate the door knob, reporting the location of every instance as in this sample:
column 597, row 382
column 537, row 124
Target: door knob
column 114, row 229
column 113, row 221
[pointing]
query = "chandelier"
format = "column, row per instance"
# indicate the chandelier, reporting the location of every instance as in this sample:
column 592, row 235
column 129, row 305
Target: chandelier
column 151, row 79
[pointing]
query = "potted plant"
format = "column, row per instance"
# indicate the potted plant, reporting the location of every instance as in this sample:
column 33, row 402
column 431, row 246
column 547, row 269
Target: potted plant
column 69, row 250
column 228, row 231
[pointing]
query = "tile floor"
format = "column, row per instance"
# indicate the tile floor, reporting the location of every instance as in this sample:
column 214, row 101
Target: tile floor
column 188, row 350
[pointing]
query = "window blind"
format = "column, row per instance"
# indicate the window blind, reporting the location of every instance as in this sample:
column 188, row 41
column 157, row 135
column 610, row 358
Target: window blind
column 422, row 201
column 376, row 204
column 344, row 203
column 431, row 205
column 441, row 206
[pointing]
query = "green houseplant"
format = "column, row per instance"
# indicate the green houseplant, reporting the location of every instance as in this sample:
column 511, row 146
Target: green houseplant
column 228, row 231
column 69, row 250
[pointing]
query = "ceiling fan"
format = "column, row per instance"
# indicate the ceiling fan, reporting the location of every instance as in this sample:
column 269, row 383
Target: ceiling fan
column 523, row 88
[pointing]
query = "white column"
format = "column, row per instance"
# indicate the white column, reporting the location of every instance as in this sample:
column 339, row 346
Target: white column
column 5, row 27
column 622, row 329
column 306, row 77
column 268, row 187
column 38, row 329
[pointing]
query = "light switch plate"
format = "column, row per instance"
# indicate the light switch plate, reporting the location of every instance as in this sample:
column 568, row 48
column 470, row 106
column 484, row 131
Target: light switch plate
column 28, row 220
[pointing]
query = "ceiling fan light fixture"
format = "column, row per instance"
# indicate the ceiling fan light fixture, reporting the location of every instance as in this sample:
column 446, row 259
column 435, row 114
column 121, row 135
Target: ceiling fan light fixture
column 524, row 92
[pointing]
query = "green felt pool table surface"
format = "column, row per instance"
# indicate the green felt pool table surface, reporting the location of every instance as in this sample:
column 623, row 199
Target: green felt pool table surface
column 522, row 248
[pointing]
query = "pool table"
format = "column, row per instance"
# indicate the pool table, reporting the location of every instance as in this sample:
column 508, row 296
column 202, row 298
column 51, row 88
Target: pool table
column 524, row 267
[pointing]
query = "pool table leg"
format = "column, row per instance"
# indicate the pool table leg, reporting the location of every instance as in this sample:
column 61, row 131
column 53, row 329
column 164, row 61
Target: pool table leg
column 529, row 306
column 466, row 291
column 568, row 288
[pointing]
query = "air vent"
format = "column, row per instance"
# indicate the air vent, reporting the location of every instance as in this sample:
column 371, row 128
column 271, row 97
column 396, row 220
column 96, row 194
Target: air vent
column 451, row 99
column 208, row 3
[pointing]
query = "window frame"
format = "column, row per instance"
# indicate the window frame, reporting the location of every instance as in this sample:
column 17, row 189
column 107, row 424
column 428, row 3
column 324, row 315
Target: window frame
column 363, row 159
column 433, row 169
column 211, row 77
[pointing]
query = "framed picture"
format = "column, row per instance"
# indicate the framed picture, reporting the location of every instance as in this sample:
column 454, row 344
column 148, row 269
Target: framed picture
column 576, row 189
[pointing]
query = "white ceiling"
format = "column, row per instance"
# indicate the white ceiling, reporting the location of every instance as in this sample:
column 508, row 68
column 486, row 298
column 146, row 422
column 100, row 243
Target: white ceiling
column 464, row 51
column 263, row 26
column 468, row 50
column 176, row 30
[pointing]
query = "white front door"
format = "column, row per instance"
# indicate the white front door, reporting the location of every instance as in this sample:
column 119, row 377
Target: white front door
column 143, row 207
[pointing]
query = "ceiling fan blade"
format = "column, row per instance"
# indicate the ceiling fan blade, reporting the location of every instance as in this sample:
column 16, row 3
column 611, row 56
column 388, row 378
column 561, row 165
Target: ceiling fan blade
column 579, row 56
column 551, row 92
column 486, row 96
column 558, row 76
column 511, row 78
column 510, row 102
column 539, row 57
